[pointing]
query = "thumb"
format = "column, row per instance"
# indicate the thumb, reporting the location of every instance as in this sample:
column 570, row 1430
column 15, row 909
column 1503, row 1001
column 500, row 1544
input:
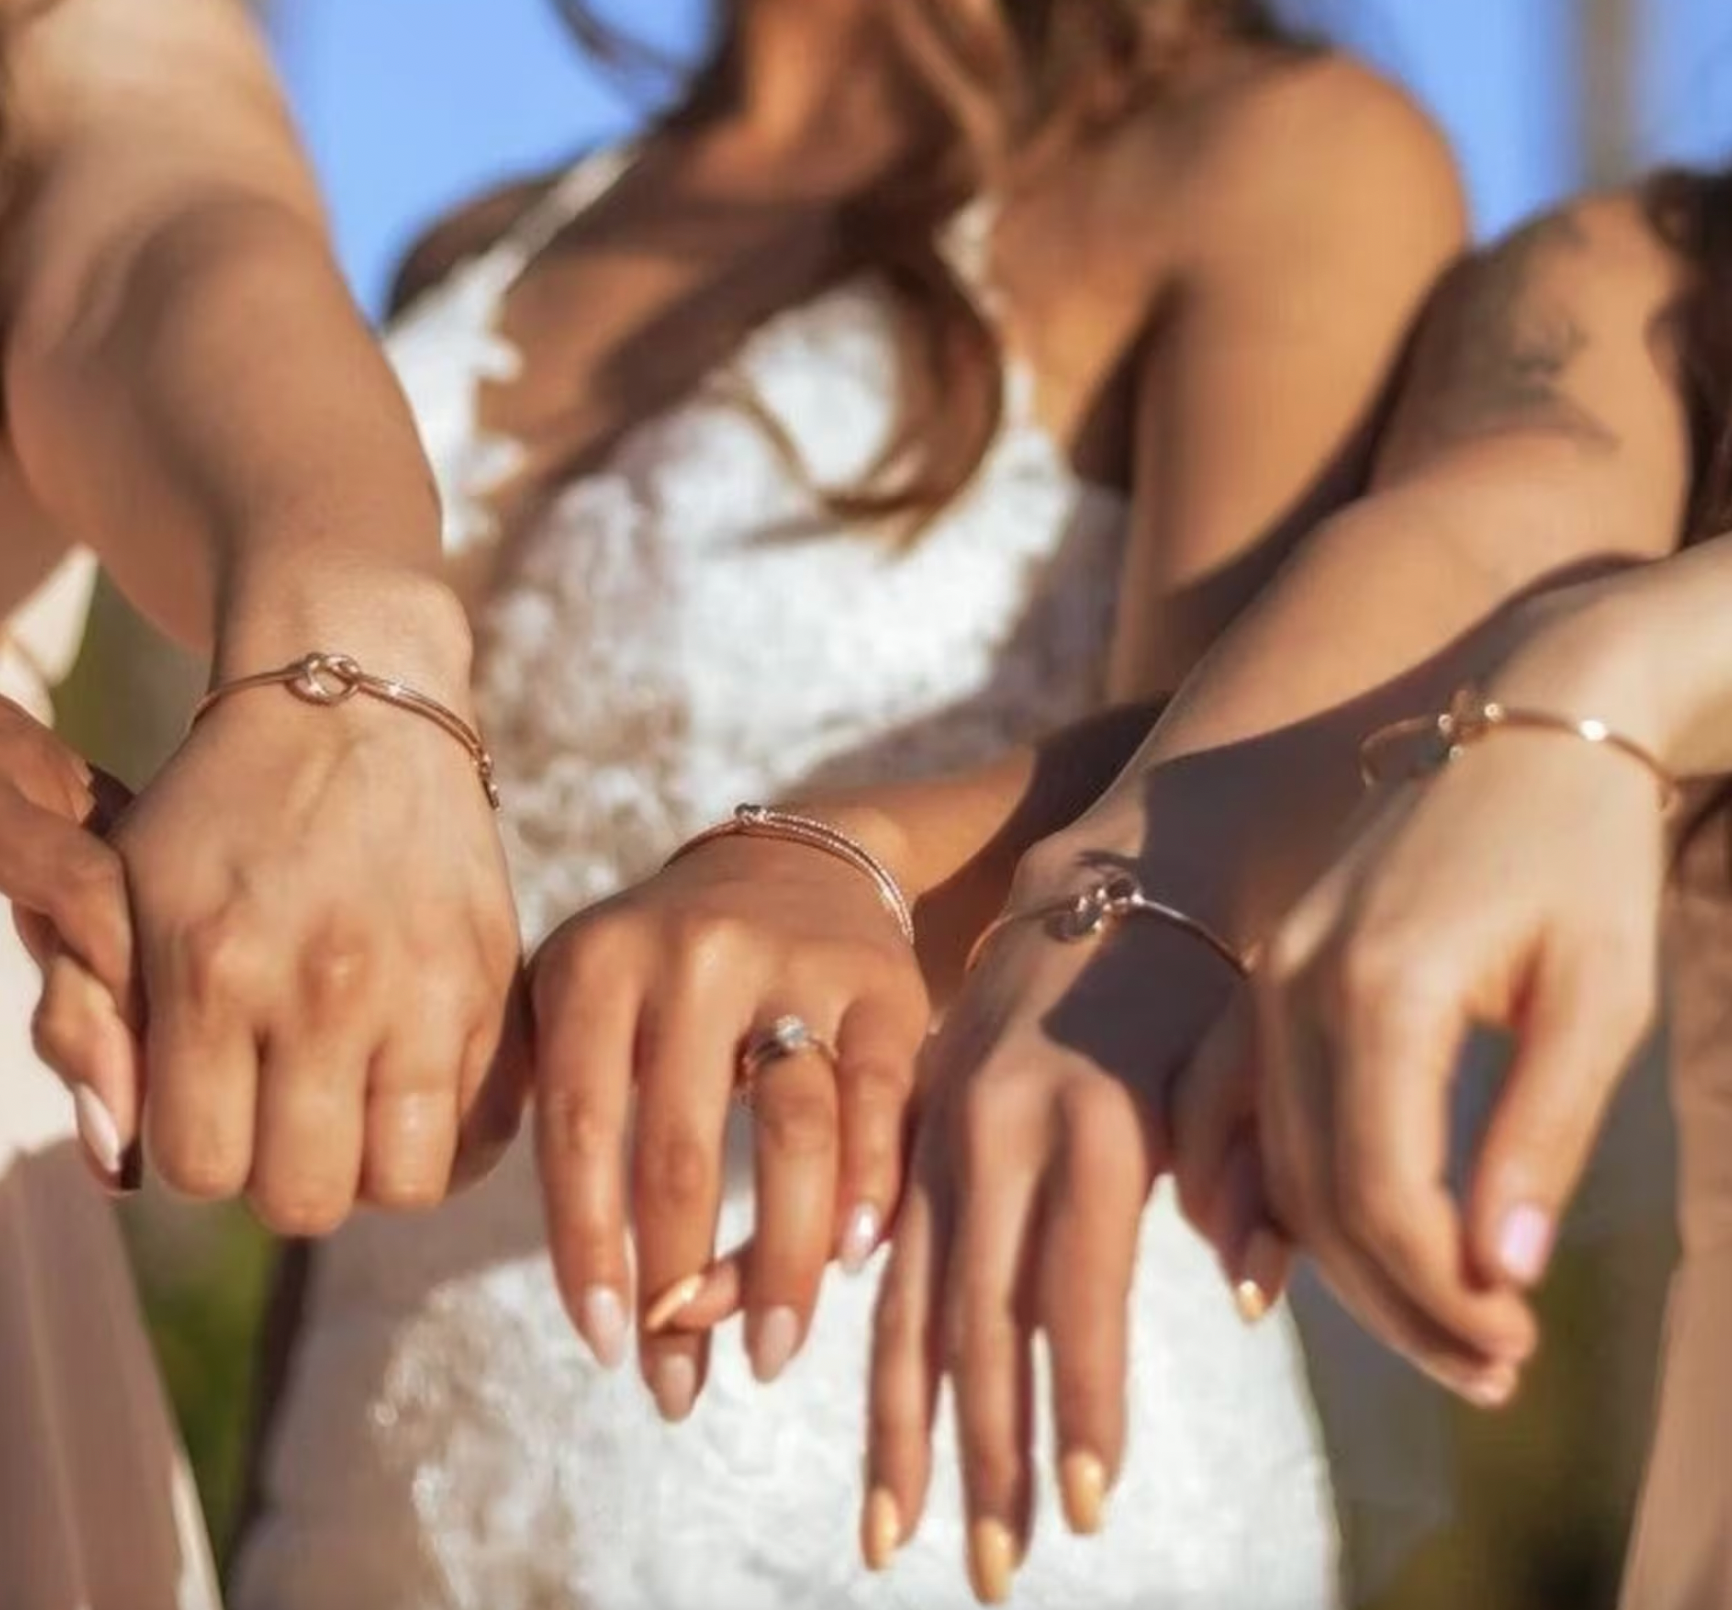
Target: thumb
column 1579, row 1030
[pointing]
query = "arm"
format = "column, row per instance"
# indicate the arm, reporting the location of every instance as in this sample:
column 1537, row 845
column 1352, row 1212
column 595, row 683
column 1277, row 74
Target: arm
column 325, row 941
column 1284, row 318
column 1540, row 429
column 171, row 311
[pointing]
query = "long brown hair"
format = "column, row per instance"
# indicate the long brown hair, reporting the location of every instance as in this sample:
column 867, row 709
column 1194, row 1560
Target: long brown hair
column 1692, row 213
column 1033, row 74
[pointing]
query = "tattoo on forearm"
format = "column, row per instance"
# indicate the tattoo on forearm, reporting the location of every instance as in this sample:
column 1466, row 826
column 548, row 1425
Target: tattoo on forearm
column 1499, row 347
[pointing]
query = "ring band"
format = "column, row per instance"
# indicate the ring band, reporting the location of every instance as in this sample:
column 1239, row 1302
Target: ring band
column 789, row 1036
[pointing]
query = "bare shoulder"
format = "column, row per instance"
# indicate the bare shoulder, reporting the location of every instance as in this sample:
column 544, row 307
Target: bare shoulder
column 1321, row 134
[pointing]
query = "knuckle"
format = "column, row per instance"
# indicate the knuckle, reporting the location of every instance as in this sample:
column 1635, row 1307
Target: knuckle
column 575, row 1129
column 224, row 958
column 676, row 1168
column 334, row 975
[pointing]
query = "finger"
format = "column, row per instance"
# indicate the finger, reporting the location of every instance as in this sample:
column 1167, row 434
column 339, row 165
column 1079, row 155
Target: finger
column 902, row 1392
column 585, row 1031
column 201, row 1060
column 1579, row 1031
column 497, row 1082
column 412, row 1112
column 1255, row 1256
column 712, row 1298
column 875, row 1079
column 110, row 800
column 1396, row 1053
column 311, row 1124
column 81, row 1035
column 685, row 1080
column 1209, row 1105
column 74, row 880
column 986, row 1331
column 794, row 1117
column 1091, row 1215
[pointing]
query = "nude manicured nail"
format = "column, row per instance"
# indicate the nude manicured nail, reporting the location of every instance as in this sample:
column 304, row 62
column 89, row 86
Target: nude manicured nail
column 1259, row 1283
column 674, row 1385
column 1493, row 1388
column 672, row 1302
column 775, row 1335
column 992, row 1561
column 1524, row 1244
column 99, row 1132
column 1082, row 1480
column 880, row 1530
column 601, row 1318
column 860, row 1238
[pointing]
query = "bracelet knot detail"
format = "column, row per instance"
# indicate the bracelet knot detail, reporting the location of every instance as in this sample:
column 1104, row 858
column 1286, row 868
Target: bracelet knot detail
column 1470, row 718
column 327, row 679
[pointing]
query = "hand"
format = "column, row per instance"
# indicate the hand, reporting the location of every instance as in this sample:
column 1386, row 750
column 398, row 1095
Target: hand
column 68, row 894
column 1519, row 890
column 329, row 959
column 658, row 989
column 1042, row 1132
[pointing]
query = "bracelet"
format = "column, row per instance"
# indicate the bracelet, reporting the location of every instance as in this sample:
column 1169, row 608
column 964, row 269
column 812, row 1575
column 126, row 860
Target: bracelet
column 1471, row 718
column 764, row 821
column 1111, row 900
column 331, row 679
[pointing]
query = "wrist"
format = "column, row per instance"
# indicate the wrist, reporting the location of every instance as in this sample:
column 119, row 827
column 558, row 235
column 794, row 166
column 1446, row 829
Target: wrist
column 395, row 621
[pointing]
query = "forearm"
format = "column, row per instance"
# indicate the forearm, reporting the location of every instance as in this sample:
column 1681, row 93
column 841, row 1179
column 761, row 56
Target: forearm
column 221, row 428
column 190, row 388
column 954, row 842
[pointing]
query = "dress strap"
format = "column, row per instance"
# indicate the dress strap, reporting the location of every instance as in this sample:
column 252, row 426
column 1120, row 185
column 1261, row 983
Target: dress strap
column 584, row 184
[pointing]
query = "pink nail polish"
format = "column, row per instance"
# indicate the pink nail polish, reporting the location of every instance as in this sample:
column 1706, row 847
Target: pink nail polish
column 1524, row 1243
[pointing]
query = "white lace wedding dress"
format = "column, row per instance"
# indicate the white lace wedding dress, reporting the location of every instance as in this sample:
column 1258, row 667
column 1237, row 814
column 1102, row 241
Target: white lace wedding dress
column 657, row 650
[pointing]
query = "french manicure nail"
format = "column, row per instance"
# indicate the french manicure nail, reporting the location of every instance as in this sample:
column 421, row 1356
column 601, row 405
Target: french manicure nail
column 775, row 1335
column 672, row 1302
column 601, row 1317
column 98, row 1130
column 860, row 1238
column 1524, row 1243
column 880, row 1530
column 674, row 1385
column 992, row 1560
column 1082, row 1480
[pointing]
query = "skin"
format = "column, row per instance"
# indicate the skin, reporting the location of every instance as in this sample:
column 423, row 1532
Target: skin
column 162, row 231
column 646, row 999
column 1540, row 435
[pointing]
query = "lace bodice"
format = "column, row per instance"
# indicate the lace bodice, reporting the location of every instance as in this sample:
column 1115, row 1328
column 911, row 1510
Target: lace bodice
column 682, row 630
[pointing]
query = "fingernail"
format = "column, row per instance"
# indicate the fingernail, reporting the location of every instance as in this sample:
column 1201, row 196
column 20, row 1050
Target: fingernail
column 674, row 1385
column 860, row 1238
column 668, row 1307
column 601, row 1317
column 1082, row 1480
column 1493, row 1388
column 99, row 1132
column 992, row 1558
column 131, row 1170
column 880, row 1530
column 1524, row 1244
column 775, row 1335
column 1259, row 1279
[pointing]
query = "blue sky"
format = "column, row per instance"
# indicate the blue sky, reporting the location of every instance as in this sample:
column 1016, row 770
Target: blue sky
column 409, row 105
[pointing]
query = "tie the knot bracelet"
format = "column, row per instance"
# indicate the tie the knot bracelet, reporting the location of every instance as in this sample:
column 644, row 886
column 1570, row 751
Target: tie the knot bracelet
column 766, row 822
column 1471, row 718
column 1102, row 906
column 328, row 679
